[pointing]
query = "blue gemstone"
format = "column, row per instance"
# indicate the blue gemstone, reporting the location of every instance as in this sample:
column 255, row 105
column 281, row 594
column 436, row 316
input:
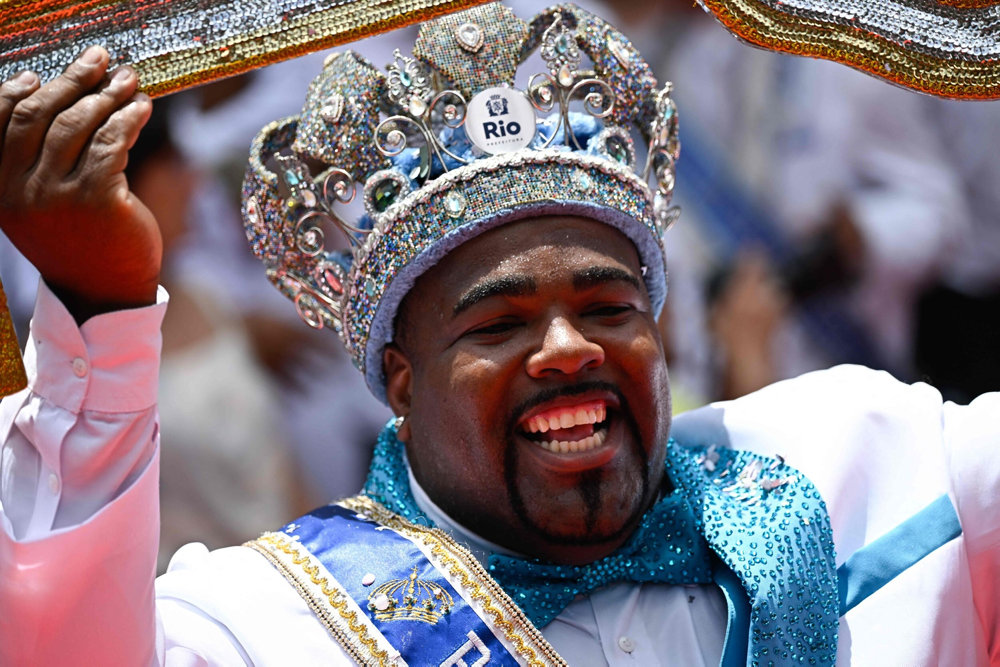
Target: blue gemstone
column 385, row 194
column 617, row 149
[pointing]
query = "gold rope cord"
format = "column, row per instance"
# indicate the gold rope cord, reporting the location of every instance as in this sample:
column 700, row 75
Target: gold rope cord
column 324, row 598
column 763, row 26
column 12, row 377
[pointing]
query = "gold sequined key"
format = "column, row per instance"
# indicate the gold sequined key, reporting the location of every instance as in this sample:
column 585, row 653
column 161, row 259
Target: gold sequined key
column 12, row 377
column 177, row 44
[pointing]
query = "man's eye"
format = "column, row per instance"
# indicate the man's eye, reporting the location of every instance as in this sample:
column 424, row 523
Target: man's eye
column 610, row 310
column 494, row 328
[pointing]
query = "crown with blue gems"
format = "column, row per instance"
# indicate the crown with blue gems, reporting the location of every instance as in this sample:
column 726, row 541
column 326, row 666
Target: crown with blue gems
column 443, row 147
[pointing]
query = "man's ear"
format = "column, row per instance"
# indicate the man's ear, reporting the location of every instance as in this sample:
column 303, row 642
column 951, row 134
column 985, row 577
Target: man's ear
column 398, row 386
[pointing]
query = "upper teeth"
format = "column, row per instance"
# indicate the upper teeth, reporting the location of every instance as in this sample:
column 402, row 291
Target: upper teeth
column 566, row 418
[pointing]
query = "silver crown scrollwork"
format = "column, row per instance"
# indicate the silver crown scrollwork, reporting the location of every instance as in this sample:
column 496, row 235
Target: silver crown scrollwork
column 410, row 89
column 317, row 300
column 562, row 83
column 661, row 160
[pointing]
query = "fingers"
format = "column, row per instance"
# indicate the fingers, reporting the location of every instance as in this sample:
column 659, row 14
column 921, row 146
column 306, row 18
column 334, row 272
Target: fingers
column 72, row 129
column 31, row 116
column 106, row 151
column 13, row 91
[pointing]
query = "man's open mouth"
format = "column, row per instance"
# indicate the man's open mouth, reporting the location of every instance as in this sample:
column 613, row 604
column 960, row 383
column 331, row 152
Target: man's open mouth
column 565, row 429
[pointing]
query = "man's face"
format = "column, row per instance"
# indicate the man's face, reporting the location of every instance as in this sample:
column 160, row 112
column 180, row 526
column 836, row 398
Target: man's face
column 532, row 376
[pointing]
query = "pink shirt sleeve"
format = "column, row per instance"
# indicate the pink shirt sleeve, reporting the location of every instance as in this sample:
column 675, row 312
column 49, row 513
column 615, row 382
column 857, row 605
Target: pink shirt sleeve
column 79, row 491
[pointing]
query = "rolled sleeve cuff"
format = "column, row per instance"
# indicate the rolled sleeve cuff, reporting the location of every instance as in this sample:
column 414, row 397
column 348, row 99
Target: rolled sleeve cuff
column 110, row 364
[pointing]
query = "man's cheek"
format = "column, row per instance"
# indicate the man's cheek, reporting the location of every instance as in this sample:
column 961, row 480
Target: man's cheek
column 472, row 367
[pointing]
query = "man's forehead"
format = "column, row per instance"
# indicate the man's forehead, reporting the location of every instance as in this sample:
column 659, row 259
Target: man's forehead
column 567, row 247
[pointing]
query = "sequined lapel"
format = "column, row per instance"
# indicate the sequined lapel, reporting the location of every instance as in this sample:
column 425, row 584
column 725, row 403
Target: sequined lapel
column 769, row 525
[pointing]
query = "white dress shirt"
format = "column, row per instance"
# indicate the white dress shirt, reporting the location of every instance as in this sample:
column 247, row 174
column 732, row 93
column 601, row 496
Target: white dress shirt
column 621, row 624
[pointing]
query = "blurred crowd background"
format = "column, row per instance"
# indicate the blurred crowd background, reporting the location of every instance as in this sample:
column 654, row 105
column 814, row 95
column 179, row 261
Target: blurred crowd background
column 827, row 217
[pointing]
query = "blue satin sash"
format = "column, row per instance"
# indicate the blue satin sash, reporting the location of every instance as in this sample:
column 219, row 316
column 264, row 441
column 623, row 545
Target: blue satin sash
column 352, row 546
column 394, row 592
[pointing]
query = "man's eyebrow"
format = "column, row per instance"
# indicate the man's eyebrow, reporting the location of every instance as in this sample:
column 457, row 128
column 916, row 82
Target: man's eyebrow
column 504, row 286
column 599, row 275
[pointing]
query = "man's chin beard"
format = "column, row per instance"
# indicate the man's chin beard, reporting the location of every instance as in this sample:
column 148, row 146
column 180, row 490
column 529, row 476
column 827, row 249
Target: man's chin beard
column 592, row 500
column 587, row 539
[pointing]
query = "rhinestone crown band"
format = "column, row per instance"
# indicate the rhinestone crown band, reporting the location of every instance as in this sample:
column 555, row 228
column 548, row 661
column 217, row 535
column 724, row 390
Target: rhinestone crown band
column 444, row 147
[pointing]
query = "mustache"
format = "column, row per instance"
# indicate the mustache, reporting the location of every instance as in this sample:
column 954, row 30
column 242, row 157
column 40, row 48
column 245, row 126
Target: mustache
column 545, row 395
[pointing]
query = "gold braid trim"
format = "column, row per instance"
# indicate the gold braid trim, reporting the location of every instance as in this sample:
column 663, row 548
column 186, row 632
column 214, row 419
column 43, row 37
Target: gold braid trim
column 764, row 26
column 968, row 4
column 448, row 555
column 289, row 559
column 12, row 376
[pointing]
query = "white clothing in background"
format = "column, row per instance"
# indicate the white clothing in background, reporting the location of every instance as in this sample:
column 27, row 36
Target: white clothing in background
column 227, row 474
column 971, row 133
column 802, row 136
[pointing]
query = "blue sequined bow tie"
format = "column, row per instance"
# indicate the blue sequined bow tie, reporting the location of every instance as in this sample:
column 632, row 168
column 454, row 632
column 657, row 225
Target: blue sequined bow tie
column 666, row 548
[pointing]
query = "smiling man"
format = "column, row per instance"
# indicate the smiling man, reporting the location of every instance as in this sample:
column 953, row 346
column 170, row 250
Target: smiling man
column 532, row 502
column 558, row 403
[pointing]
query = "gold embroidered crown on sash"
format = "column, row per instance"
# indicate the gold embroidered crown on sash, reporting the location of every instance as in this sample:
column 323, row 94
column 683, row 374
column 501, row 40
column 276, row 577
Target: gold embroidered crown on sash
column 410, row 599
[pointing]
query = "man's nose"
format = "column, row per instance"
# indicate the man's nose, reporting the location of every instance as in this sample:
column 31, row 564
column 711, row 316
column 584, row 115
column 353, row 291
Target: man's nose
column 564, row 349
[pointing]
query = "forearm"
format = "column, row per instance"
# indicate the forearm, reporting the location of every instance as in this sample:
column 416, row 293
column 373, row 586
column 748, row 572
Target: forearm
column 79, row 492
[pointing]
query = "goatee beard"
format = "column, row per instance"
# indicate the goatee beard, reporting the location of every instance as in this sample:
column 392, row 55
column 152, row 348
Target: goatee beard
column 590, row 481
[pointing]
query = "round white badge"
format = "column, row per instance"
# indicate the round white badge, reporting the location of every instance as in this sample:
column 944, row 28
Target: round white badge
column 500, row 120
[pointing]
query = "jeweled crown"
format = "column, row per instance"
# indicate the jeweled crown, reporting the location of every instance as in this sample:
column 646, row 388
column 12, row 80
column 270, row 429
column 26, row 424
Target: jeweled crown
column 445, row 147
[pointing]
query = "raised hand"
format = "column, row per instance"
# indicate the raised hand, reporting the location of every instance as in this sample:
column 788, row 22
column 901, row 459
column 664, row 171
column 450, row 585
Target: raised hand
column 64, row 200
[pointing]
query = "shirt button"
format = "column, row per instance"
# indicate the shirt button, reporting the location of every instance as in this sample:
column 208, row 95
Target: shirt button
column 626, row 644
column 54, row 484
column 79, row 367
